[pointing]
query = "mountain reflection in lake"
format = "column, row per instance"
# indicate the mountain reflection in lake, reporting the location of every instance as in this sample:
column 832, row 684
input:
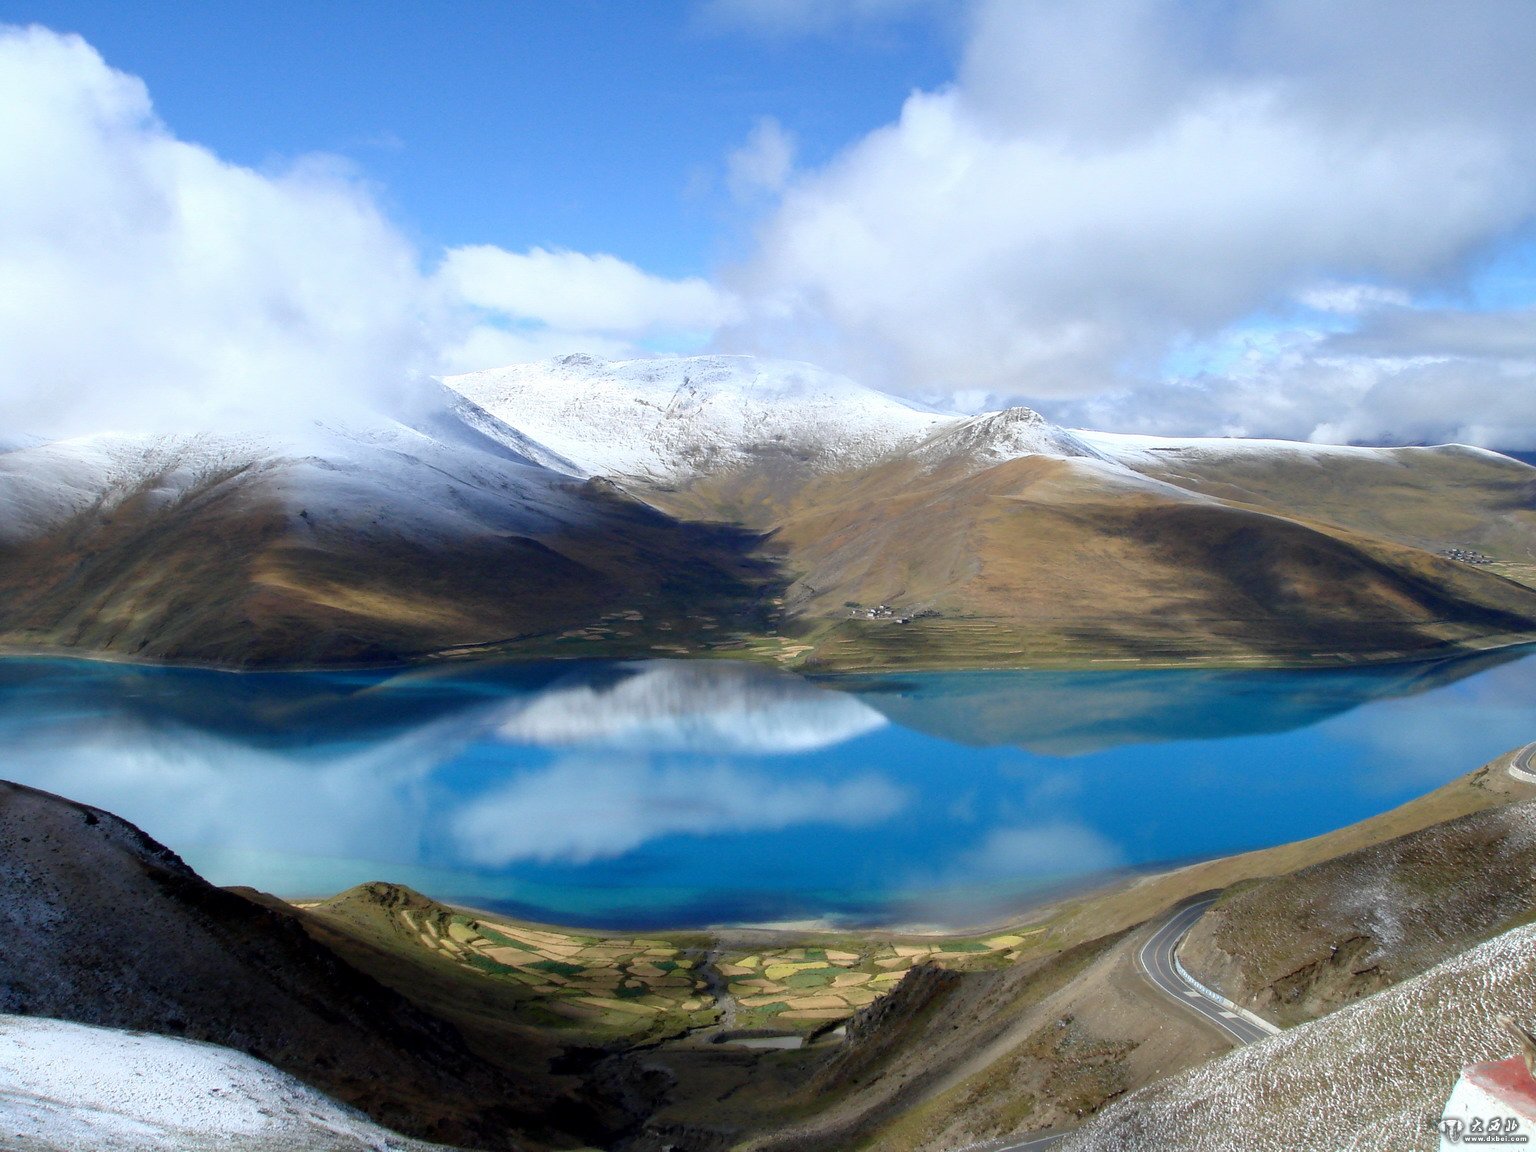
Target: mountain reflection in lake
column 676, row 792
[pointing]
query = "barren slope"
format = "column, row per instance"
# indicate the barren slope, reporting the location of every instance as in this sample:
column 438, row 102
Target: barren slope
column 384, row 547
column 1298, row 946
column 1041, row 557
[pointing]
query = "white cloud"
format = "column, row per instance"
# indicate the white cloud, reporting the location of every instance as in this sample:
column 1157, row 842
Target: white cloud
column 764, row 163
column 145, row 282
column 586, row 808
column 577, row 292
column 1401, row 376
column 1111, row 177
column 537, row 304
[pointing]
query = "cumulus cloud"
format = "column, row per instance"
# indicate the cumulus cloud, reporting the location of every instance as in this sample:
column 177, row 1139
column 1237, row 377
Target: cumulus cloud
column 763, row 164
column 582, row 809
column 146, row 284
column 1106, row 179
column 142, row 277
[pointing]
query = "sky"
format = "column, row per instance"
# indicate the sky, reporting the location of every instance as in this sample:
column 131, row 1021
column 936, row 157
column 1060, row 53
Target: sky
column 1276, row 218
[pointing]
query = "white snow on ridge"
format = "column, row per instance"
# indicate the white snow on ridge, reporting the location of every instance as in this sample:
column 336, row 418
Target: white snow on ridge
column 66, row 1087
column 993, row 437
column 1138, row 449
column 456, row 472
column 666, row 419
column 46, row 482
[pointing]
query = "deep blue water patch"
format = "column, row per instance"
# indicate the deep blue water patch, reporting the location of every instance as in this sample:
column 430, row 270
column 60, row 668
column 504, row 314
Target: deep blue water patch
column 682, row 793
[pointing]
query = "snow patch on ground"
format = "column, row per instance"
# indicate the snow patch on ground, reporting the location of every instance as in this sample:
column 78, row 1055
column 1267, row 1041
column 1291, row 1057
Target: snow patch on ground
column 68, row 1087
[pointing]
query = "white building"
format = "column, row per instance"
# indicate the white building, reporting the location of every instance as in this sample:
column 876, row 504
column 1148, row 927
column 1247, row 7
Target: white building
column 1492, row 1106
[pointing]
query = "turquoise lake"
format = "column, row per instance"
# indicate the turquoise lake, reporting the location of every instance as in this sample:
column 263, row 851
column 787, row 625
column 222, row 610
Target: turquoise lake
column 687, row 793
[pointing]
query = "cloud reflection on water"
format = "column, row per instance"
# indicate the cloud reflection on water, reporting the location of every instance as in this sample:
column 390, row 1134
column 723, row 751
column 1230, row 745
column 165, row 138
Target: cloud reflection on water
column 701, row 792
column 585, row 808
column 703, row 706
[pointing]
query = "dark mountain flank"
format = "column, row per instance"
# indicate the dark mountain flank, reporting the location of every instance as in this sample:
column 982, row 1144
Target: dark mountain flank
column 102, row 925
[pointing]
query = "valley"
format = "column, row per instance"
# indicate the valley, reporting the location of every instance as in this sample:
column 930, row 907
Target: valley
column 666, row 1038
column 879, row 742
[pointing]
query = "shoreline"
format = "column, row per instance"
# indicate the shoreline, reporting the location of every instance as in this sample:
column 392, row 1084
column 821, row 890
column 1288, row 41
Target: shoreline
column 1454, row 798
column 813, row 670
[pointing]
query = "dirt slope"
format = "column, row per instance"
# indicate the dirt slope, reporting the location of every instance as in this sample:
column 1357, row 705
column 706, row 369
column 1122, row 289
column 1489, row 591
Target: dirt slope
column 1299, row 946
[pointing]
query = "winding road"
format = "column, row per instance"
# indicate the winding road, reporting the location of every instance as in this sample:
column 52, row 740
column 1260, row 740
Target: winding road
column 1156, row 961
column 1520, row 767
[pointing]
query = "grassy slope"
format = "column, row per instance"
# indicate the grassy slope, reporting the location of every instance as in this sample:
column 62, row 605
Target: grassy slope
column 1044, row 561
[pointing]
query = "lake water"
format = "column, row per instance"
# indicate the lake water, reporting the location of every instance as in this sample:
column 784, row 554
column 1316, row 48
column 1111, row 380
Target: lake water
column 683, row 793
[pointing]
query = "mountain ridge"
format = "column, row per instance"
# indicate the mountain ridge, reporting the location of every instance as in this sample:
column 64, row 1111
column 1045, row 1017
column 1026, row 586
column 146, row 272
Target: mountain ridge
column 759, row 509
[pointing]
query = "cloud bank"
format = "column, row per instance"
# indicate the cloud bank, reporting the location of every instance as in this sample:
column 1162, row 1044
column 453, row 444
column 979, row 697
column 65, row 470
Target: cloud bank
column 138, row 271
column 1257, row 219
column 147, row 285
column 1110, row 180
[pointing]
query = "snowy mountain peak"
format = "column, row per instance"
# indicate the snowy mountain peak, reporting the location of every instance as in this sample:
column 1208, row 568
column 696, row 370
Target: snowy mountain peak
column 668, row 419
column 993, row 437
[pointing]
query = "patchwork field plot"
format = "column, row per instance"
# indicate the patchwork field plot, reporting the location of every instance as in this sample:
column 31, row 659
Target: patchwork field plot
column 609, row 984
column 805, row 987
column 618, row 982
column 635, row 986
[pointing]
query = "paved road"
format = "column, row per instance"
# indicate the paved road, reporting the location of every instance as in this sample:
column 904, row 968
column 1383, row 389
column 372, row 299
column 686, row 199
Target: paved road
column 1035, row 1143
column 1520, row 767
column 1156, row 962
column 1156, row 959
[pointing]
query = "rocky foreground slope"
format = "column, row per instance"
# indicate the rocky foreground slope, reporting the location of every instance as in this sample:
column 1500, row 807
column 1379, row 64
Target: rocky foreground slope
column 1298, row 946
column 1372, row 1075
column 760, row 508
column 103, row 926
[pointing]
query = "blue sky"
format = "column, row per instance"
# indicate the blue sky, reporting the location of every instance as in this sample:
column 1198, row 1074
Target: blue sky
column 595, row 125
column 1312, row 219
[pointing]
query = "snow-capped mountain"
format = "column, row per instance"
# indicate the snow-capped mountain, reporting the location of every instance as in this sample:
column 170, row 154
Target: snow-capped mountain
column 675, row 505
column 377, row 540
column 668, row 419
